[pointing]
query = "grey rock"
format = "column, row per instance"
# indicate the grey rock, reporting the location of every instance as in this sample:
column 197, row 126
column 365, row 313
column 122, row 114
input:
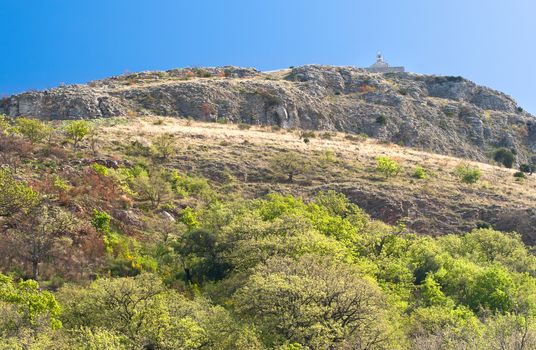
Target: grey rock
column 449, row 115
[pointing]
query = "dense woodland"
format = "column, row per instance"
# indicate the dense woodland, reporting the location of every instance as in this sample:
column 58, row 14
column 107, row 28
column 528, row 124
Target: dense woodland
column 201, row 267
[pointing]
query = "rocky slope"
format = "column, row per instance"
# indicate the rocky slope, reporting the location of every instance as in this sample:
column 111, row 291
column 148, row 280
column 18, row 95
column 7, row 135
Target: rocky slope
column 447, row 115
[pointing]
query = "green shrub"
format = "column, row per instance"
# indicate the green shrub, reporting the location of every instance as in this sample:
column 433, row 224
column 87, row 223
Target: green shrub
column 381, row 119
column 527, row 168
column 76, row 131
column 289, row 164
column 467, row 173
column 100, row 169
column 387, row 166
column 5, row 126
column 33, row 129
column 505, row 157
column 101, row 221
column 164, row 145
column 420, row 173
column 15, row 195
column 519, row 175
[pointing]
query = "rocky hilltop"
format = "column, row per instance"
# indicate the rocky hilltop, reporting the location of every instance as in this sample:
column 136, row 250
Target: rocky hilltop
column 448, row 115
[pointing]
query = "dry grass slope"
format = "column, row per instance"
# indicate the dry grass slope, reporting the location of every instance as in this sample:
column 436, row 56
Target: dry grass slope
column 239, row 158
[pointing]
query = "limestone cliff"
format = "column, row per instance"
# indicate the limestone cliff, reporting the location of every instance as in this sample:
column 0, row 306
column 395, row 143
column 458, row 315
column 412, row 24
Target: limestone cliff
column 448, row 115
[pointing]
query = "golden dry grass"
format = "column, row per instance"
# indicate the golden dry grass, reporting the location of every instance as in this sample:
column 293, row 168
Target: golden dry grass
column 211, row 146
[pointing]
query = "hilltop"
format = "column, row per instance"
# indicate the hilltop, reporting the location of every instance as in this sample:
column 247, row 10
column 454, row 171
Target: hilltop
column 445, row 115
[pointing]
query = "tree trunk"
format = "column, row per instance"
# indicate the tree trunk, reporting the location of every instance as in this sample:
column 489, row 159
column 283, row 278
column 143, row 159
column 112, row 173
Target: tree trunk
column 35, row 270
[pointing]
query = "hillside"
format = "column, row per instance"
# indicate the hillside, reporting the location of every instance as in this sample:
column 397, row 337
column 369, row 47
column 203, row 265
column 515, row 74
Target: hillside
column 446, row 115
column 163, row 221
column 439, row 205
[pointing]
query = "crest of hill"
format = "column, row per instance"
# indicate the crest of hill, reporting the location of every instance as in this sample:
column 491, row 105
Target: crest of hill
column 446, row 115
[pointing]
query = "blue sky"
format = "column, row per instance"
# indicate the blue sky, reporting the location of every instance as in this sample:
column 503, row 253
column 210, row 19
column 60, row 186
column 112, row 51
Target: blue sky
column 47, row 42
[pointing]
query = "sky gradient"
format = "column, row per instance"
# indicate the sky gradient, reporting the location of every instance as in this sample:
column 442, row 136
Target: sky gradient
column 45, row 43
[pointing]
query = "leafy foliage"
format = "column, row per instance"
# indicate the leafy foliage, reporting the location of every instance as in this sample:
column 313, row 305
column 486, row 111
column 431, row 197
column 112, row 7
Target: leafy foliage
column 387, row 166
column 143, row 256
column 76, row 131
column 467, row 173
column 505, row 157
column 289, row 164
column 15, row 195
column 33, row 129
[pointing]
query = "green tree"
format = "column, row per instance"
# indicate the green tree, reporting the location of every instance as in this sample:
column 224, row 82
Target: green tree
column 36, row 235
column 33, row 129
column 164, row 145
column 467, row 173
column 76, row 131
column 314, row 302
column 492, row 289
column 444, row 327
column 419, row 173
column 152, row 187
column 24, row 305
column 142, row 312
column 505, row 157
column 510, row 331
column 528, row 168
column 387, row 166
column 15, row 195
column 289, row 164
column 200, row 252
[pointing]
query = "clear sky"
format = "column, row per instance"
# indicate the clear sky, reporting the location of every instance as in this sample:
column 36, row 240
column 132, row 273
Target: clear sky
column 47, row 42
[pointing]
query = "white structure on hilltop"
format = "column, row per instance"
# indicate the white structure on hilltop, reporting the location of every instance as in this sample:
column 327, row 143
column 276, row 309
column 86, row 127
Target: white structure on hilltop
column 380, row 66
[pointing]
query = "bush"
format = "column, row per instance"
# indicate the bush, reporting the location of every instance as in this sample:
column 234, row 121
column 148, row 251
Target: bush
column 100, row 169
column 356, row 138
column 520, row 175
column 244, row 126
column 15, row 195
column 33, row 129
column 381, row 119
column 164, row 145
column 289, row 164
column 387, row 166
column 326, row 135
column 420, row 173
column 527, row 168
column 76, row 131
column 505, row 157
column 5, row 126
column 307, row 134
column 101, row 220
column 467, row 173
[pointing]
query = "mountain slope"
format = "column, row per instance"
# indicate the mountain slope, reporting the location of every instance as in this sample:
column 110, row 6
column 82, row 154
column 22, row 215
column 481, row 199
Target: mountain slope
column 242, row 159
column 447, row 115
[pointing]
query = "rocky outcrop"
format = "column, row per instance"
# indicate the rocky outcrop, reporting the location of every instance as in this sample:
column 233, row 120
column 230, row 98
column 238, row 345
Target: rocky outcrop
column 448, row 115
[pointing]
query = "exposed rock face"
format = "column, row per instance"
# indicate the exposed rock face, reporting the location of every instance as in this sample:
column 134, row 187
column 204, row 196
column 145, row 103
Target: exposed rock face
column 448, row 115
